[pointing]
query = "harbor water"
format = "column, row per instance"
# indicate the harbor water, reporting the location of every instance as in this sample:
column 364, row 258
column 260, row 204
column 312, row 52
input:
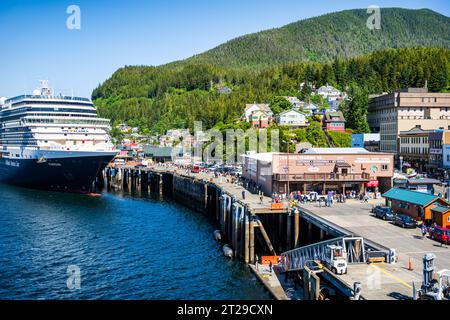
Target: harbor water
column 124, row 246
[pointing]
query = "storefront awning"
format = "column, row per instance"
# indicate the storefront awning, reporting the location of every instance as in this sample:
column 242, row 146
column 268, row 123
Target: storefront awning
column 373, row 183
column 342, row 165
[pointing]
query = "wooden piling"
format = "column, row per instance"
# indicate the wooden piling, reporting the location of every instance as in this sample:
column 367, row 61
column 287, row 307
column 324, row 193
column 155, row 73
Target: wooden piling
column 247, row 238
column 252, row 241
column 296, row 228
column 288, row 231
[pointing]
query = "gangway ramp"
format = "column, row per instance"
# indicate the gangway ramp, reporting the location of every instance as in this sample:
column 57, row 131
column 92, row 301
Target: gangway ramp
column 295, row 260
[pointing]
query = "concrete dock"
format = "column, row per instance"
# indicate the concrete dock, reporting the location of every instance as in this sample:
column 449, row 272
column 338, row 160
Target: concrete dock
column 383, row 281
column 253, row 229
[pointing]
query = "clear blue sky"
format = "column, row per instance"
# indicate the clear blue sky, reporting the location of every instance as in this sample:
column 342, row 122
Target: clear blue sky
column 35, row 43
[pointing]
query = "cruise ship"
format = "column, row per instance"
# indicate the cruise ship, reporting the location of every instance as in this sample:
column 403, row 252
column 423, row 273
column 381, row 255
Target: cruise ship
column 52, row 142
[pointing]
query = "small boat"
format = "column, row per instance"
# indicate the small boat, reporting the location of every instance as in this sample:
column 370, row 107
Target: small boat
column 217, row 235
column 93, row 194
column 227, row 251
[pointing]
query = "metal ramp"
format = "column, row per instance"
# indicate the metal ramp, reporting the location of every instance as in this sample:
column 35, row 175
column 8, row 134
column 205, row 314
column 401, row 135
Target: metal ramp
column 295, row 260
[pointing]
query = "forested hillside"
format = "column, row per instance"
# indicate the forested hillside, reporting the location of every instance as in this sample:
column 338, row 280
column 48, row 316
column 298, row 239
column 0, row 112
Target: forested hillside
column 336, row 35
column 160, row 98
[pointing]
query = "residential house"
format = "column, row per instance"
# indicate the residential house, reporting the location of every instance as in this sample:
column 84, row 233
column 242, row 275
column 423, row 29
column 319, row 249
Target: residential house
column 260, row 119
column 224, row 90
column 334, row 121
column 332, row 95
column 296, row 103
column 250, row 108
column 310, row 108
column 291, row 118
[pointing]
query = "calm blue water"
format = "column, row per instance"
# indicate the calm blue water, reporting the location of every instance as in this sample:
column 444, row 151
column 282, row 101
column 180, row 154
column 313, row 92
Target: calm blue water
column 126, row 248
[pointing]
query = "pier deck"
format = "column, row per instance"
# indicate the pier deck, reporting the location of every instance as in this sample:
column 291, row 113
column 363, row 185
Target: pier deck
column 252, row 200
column 270, row 281
column 383, row 281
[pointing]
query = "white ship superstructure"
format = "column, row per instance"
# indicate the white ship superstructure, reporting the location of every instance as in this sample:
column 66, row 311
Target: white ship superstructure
column 44, row 128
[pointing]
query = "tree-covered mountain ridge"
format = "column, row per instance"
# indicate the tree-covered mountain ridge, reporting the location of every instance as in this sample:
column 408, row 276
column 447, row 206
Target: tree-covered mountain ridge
column 177, row 94
column 341, row 34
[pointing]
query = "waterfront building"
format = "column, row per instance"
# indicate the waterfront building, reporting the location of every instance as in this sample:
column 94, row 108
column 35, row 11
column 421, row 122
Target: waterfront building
column 441, row 216
column 334, row 121
column 391, row 113
column 320, row 169
column 424, row 185
column 417, row 205
column 414, row 148
column 439, row 154
column 162, row 154
column 368, row 141
column 291, row 118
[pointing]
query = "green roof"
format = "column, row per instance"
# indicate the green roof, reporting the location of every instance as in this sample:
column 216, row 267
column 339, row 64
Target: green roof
column 413, row 197
column 440, row 209
column 156, row 151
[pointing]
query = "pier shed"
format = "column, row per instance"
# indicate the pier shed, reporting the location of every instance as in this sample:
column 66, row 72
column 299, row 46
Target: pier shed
column 441, row 215
column 415, row 204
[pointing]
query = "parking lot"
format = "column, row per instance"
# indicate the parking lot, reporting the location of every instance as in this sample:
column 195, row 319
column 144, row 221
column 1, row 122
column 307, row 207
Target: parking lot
column 356, row 217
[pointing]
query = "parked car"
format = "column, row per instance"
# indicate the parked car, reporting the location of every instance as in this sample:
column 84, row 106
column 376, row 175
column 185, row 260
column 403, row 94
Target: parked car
column 195, row 168
column 384, row 213
column 441, row 234
column 405, row 221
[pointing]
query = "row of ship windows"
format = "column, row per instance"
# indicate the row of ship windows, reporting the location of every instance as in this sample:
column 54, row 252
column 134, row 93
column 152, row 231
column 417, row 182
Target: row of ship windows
column 27, row 109
column 67, row 121
column 18, row 117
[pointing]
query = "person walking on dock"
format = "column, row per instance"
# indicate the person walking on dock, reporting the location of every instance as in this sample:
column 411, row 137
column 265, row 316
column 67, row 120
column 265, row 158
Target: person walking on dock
column 424, row 231
column 261, row 198
column 243, row 194
column 270, row 267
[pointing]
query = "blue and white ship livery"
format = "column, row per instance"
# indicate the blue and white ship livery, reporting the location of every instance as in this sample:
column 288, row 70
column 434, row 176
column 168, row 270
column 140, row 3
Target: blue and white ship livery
column 52, row 142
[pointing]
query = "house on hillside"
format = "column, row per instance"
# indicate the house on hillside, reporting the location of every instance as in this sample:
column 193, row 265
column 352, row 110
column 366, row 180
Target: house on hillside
column 224, row 90
column 259, row 115
column 295, row 102
column 260, row 119
column 291, row 118
column 310, row 108
column 250, row 108
column 333, row 121
column 330, row 93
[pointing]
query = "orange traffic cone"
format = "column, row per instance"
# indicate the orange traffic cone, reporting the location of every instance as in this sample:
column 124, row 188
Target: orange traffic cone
column 410, row 264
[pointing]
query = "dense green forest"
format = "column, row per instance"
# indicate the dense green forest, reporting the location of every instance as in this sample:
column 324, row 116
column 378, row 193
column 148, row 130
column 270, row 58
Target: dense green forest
column 336, row 35
column 160, row 98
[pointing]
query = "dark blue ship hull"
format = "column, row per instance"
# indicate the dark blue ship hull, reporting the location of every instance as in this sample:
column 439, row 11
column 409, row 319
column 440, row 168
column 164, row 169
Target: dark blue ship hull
column 60, row 174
